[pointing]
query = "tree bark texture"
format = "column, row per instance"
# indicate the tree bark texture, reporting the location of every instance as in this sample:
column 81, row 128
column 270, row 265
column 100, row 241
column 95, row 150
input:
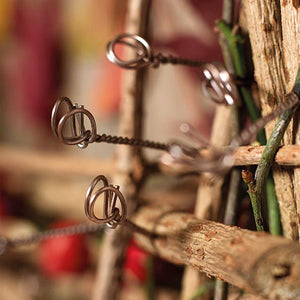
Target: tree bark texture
column 253, row 261
column 272, row 42
column 290, row 20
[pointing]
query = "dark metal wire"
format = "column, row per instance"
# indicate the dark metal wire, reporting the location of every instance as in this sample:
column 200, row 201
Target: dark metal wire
column 81, row 136
column 219, row 160
column 114, row 214
column 243, row 138
column 218, row 84
column 6, row 243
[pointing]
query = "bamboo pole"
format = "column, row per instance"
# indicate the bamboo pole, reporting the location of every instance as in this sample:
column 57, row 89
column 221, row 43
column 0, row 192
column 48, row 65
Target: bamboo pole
column 253, row 261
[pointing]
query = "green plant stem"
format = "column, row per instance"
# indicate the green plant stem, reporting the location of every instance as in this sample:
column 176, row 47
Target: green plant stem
column 258, row 184
column 255, row 201
column 273, row 208
column 236, row 47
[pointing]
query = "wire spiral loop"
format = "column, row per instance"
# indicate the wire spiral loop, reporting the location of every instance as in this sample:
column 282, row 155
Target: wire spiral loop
column 75, row 114
column 219, row 85
column 112, row 215
column 143, row 51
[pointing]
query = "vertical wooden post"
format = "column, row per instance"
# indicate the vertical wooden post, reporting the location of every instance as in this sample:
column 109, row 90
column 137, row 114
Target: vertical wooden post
column 129, row 168
column 274, row 76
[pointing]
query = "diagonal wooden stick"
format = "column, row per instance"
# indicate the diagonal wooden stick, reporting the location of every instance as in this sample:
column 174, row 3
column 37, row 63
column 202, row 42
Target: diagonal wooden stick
column 255, row 262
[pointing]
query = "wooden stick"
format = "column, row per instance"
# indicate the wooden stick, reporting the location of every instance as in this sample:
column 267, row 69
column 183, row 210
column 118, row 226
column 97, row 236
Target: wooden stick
column 129, row 167
column 21, row 160
column 26, row 161
column 264, row 24
column 250, row 155
column 208, row 198
column 255, row 262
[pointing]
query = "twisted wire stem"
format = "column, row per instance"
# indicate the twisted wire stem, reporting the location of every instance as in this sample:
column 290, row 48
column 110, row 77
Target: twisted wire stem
column 114, row 214
column 81, row 136
column 131, row 142
column 160, row 58
column 217, row 84
column 291, row 100
column 84, row 228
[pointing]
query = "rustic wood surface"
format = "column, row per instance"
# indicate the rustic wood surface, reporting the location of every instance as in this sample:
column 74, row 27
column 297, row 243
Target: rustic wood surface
column 255, row 262
column 208, row 198
column 272, row 75
column 290, row 20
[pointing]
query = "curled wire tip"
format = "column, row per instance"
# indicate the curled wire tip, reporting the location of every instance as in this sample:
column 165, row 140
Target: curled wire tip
column 219, row 85
column 143, row 52
column 112, row 197
column 75, row 116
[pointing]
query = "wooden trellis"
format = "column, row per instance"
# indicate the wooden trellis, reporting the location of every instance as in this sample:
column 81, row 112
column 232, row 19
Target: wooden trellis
column 255, row 262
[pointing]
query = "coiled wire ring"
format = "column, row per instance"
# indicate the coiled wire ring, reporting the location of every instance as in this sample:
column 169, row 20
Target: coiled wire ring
column 143, row 51
column 80, row 136
column 219, row 85
column 112, row 215
column 54, row 114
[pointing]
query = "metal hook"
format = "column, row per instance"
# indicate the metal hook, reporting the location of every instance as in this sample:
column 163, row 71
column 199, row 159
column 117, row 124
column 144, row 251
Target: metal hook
column 112, row 215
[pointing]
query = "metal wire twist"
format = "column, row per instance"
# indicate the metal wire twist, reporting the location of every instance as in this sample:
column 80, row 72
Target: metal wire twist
column 218, row 160
column 81, row 136
column 292, row 99
column 217, row 85
column 6, row 243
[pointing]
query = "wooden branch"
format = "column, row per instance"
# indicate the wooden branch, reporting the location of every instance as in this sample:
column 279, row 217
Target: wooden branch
column 208, row 197
column 286, row 156
column 25, row 161
column 255, row 262
column 129, row 167
column 264, row 24
column 21, row 160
